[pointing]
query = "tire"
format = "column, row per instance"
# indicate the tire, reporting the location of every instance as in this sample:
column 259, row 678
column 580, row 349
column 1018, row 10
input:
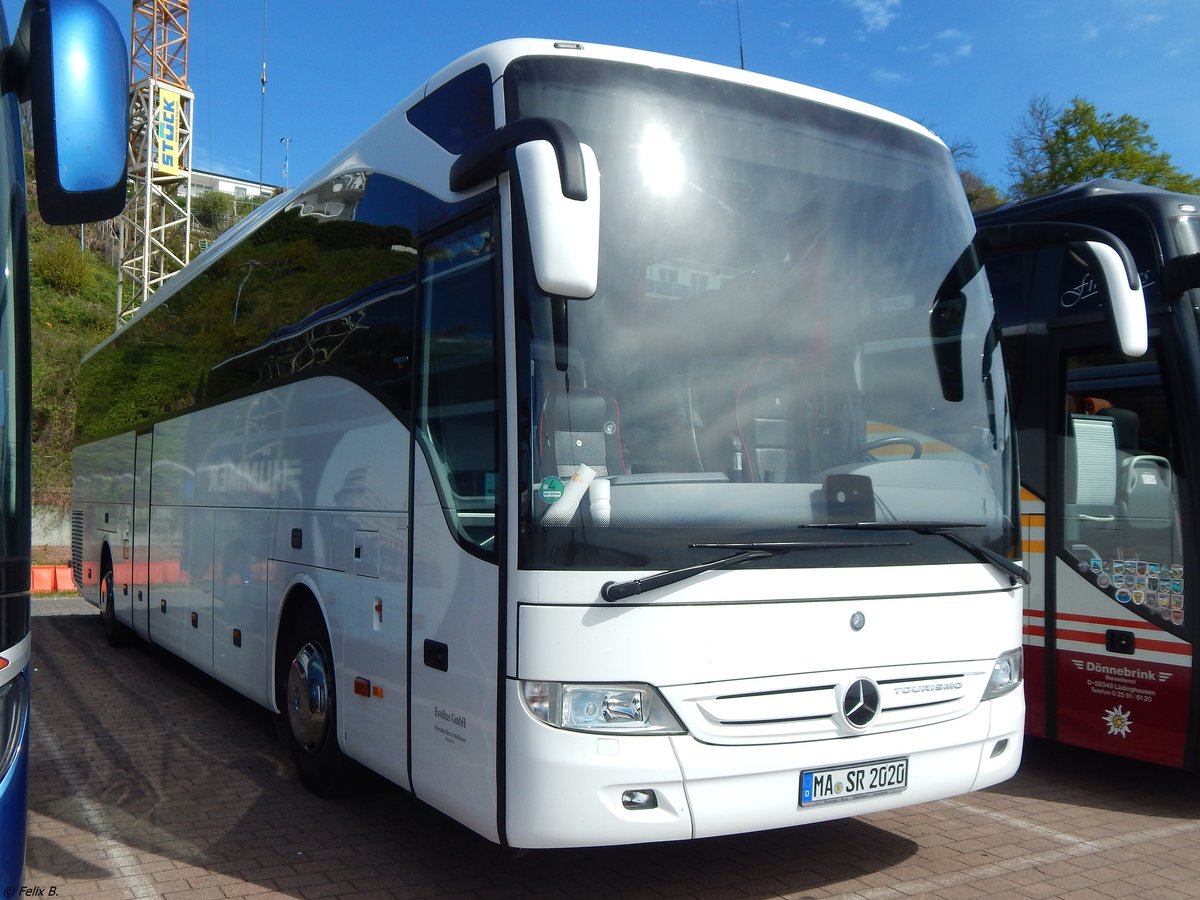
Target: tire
column 306, row 686
column 117, row 634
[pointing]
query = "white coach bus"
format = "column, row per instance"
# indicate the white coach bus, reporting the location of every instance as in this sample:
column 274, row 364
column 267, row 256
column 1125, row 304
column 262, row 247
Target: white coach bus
column 605, row 447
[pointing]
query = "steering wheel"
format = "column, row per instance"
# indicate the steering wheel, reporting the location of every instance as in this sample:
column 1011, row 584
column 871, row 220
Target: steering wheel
column 864, row 451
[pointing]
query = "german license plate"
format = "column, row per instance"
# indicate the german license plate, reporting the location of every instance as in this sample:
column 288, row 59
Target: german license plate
column 883, row 776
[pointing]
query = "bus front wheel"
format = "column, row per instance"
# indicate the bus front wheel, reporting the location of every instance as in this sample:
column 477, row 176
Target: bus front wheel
column 310, row 705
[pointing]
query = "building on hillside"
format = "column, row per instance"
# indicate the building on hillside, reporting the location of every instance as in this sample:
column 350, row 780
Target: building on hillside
column 238, row 188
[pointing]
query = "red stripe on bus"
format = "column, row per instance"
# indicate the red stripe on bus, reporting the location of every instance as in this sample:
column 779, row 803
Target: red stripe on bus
column 1089, row 637
column 1096, row 620
column 1110, row 623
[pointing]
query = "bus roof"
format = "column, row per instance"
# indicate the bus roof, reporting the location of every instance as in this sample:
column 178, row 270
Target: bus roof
column 379, row 145
column 1086, row 194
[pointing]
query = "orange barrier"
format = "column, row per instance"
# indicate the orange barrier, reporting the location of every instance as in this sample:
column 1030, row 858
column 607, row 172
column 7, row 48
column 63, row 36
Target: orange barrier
column 42, row 579
column 51, row 579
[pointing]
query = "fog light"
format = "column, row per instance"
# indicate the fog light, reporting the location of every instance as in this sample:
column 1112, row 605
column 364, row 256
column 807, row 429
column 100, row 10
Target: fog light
column 643, row 799
column 1000, row 747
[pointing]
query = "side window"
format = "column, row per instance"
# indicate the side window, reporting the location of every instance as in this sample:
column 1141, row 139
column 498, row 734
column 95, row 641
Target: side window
column 320, row 288
column 458, row 406
column 459, row 112
column 1011, row 279
column 1120, row 500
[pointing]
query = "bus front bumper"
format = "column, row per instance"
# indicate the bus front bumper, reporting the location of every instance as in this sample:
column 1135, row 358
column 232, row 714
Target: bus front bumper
column 569, row 789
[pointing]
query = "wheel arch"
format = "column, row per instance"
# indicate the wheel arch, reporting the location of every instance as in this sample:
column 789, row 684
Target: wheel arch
column 301, row 599
column 106, row 565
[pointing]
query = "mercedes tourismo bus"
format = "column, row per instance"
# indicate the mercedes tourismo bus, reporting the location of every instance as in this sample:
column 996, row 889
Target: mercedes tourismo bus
column 605, row 447
column 68, row 59
column 1109, row 511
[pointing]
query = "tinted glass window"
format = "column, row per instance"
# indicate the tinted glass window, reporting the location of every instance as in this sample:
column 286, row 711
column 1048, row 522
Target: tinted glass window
column 458, row 112
column 1123, row 478
column 458, row 415
column 326, row 286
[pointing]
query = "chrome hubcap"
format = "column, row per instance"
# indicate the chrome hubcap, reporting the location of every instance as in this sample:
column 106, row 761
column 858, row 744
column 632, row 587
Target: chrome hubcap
column 308, row 697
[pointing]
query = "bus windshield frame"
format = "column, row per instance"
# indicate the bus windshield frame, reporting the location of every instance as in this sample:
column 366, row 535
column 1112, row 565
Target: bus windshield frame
column 769, row 337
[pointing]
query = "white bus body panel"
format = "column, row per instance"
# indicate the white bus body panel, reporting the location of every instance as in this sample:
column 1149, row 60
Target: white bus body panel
column 221, row 543
column 755, row 684
column 103, row 500
column 777, row 626
column 706, row 790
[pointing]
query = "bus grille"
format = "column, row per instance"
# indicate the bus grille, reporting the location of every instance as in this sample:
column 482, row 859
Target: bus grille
column 810, row 707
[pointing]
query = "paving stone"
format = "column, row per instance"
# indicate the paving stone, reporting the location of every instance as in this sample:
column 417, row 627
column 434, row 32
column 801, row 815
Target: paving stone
column 149, row 780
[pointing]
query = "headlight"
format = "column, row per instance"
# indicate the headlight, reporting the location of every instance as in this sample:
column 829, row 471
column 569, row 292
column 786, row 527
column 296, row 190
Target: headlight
column 1007, row 673
column 602, row 708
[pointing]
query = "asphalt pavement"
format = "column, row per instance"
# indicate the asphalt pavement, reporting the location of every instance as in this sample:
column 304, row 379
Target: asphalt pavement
column 150, row 780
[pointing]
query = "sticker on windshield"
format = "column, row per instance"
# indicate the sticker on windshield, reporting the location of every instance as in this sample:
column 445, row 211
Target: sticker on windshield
column 551, row 489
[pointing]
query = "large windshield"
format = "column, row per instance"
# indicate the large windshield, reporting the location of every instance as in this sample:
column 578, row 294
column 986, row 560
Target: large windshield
column 790, row 329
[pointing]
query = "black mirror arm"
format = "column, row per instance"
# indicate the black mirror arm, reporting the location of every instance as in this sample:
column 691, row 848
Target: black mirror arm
column 488, row 156
column 999, row 238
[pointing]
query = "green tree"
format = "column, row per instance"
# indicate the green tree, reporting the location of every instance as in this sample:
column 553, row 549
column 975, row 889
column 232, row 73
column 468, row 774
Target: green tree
column 980, row 194
column 213, row 209
column 1054, row 148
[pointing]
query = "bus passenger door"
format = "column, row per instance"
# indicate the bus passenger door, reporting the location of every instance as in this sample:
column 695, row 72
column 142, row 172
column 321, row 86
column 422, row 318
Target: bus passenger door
column 455, row 539
column 1117, row 623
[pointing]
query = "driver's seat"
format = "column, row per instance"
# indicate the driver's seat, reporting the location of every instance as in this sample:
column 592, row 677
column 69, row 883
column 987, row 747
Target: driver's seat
column 580, row 426
column 774, row 423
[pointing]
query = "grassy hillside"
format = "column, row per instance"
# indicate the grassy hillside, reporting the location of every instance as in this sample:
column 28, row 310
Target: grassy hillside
column 73, row 307
column 73, row 295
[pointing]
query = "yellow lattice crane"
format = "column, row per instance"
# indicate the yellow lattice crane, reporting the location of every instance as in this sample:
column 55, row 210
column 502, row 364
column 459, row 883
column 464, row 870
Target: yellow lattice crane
column 156, row 225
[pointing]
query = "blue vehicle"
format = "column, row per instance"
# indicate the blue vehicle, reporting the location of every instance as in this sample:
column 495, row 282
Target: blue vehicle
column 67, row 59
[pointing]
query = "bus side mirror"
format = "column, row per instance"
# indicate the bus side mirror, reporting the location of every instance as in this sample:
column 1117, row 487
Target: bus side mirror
column 1105, row 256
column 559, row 182
column 69, row 61
column 564, row 234
column 1127, row 305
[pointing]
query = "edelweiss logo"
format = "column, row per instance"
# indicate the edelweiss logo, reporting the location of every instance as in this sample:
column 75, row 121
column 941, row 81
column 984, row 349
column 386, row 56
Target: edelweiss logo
column 1119, row 722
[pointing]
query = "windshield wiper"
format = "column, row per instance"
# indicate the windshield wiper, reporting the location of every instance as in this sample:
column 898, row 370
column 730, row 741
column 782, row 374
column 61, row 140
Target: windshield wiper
column 612, row 591
column 945, row 529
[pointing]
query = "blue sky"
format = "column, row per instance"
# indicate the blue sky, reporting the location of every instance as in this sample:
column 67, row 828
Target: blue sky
column 965, row 68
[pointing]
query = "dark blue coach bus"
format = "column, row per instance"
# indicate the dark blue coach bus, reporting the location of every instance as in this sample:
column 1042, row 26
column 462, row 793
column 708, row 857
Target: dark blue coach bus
column 68, row 60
